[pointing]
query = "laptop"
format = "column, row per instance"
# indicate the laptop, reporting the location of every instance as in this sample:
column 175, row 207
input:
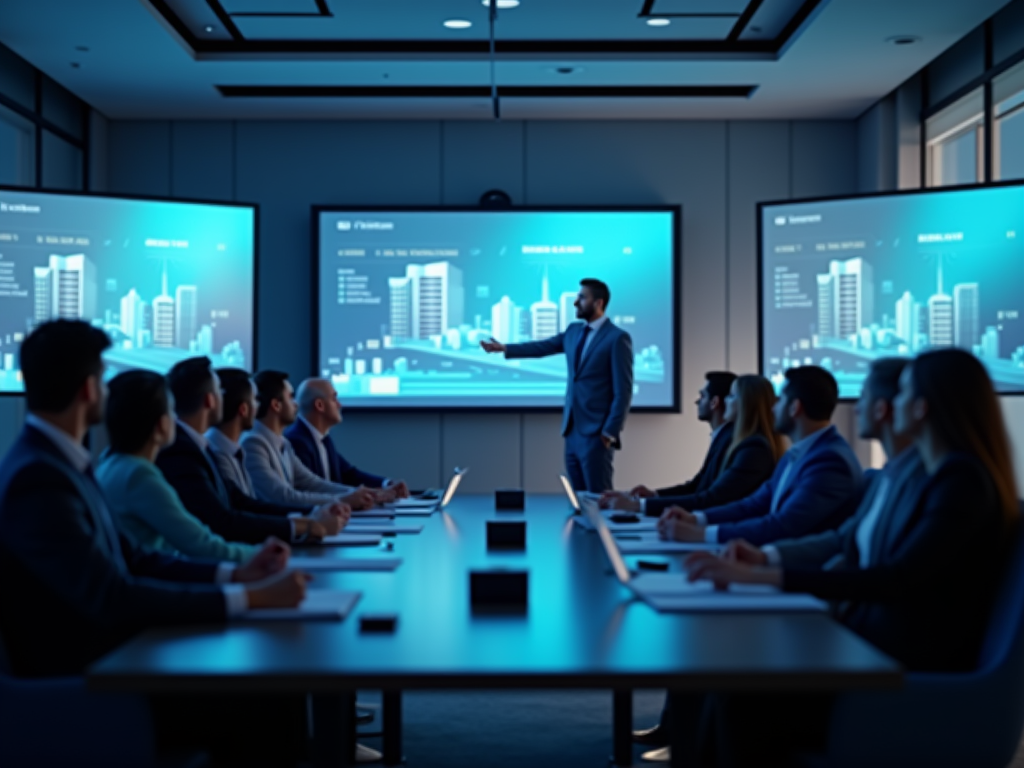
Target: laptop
column 574, row 496
column 426, row 505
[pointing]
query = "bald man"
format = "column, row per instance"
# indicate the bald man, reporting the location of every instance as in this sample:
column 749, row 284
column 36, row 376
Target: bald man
column 319, row 411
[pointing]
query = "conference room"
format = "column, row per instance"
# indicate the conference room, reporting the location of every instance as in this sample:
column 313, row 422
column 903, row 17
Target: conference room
column 486, row 382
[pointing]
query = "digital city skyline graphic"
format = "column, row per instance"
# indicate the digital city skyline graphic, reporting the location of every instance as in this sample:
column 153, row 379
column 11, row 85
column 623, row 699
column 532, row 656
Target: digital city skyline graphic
column 937, row 270
column 429, row 315
column 165, row 281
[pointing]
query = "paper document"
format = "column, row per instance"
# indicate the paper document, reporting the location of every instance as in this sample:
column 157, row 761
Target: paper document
column 407, row 503
column 326, row 564
column 319, row 605
column 351, row 539
column 649, row 543
column 372, row 514
column 738, row 598
column 358, row 527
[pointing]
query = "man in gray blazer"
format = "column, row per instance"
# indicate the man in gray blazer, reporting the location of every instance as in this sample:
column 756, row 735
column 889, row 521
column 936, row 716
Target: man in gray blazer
column 599, row 355
column 276, row 473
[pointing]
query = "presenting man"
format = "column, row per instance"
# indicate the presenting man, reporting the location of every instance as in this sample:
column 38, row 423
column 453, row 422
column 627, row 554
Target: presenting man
column 599, row 355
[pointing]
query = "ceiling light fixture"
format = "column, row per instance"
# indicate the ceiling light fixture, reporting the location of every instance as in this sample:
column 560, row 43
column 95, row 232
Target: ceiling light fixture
column 658, row 22
column 503, row 5
column 82, row 48
column 903, row 39
column 208, row 28
column 458, row 24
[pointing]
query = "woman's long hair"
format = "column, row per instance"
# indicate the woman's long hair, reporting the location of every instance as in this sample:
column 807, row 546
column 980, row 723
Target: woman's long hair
column 755, row 397
column 965, row 413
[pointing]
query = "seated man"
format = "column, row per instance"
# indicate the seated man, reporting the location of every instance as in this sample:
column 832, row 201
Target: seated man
column 836, row 548
column 816, row 484
column 72, row 589
column 190, row 468
column 319, row 411
column 277, row 474
column 710, row 409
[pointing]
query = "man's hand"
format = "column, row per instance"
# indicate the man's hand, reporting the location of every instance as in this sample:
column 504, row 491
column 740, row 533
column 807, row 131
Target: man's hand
column 740, row 551
column 361, row 498
column 676, row 524
column 399, row 487
column 286, row 592
column 492, row 345
column 643, row 492
column 270, row 560
column 308, row 527
column 333, row 517
column 618, row 500
column 705, row 566
column 607, row 441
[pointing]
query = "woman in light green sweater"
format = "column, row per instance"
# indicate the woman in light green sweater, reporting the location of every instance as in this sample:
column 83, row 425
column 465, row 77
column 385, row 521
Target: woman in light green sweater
column 140, row 421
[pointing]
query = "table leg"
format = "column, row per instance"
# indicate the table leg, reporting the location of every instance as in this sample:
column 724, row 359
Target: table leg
column 685, row 720
column 392, row 727
column 622, row 727
column 334, row 726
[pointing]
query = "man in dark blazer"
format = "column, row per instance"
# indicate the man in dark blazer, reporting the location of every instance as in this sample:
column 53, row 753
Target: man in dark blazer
column 71, row 588
column 599, row 391
column 816, row 485
column 710, row 409
column 319, row 412
column 192, row 471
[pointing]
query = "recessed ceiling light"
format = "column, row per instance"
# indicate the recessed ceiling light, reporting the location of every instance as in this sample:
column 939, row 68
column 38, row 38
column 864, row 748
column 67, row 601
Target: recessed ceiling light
column 503, row 4
column 208, row 28
column 565, row 70
column 458, row 24
column 903, row 39
column 82, row 48
column 657, row 22
column 75, row 65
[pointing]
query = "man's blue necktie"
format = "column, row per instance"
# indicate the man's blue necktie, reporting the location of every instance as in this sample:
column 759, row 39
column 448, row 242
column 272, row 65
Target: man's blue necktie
column 579, row 349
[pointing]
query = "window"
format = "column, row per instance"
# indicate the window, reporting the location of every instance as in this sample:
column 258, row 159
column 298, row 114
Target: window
column 955, row 138
column 1008, row 128
column 17, row 149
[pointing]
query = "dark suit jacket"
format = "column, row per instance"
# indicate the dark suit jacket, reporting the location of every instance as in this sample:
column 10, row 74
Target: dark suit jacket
column 598, row 395
column 709, row 469
column 750, row 465
column 822, row 490
column 224, row 508
column 926, row 599
column 341, row 471
column 65, row 597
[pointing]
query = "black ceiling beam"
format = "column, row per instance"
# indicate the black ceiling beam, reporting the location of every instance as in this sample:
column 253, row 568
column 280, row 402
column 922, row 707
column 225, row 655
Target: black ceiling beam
column 741, row 24
column 225, row 19
column 484, row 91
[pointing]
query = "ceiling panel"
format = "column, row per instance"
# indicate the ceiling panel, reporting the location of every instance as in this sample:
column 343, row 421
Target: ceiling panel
column 770, row 19
column 661, row 7
column 273, row 6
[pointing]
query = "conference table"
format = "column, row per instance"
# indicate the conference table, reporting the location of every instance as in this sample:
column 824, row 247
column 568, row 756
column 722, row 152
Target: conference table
column 581, row 629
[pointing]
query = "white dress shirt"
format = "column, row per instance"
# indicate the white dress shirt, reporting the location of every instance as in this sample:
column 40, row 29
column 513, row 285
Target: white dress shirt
column 225, row 446
column 594, row 325
column 319, row 437
column 236, row 600
column 867, row 525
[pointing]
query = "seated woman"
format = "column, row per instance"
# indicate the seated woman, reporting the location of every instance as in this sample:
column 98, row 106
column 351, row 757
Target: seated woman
column 140, row 421
column 935, row 563
column 749, row 461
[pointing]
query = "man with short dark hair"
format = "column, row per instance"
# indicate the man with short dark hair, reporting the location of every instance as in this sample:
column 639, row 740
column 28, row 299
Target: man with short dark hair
column 816, row 485
column 319, row 412
column 599, row 390
column 71, row 588
column 189, row 466
column 277, row 474
column 710, row 409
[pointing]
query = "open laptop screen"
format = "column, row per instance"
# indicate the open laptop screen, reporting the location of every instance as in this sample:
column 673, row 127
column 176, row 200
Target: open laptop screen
column 593, row 513
column 570, row 492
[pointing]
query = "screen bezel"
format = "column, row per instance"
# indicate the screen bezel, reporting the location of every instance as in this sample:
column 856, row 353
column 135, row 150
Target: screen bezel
column 254, row 207
column 677, row 246
column 761, row 206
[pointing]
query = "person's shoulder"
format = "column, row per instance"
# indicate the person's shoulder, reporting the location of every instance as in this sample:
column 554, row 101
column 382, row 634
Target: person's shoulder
column 754, row 442
column 296, row 431
column 28, row 471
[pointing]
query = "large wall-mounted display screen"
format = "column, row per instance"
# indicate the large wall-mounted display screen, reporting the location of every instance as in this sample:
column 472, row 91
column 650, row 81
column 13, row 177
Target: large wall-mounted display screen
column 166, row 280
column 847, row 281
column 405, row 297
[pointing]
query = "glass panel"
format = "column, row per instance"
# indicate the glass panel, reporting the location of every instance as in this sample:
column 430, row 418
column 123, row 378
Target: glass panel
column 17, row 149
column 62, row 108
column 62, row 163
column 1008, row 131
column 955, row 138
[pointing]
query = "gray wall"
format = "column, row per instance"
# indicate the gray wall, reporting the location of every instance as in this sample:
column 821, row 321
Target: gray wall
column 716, row 170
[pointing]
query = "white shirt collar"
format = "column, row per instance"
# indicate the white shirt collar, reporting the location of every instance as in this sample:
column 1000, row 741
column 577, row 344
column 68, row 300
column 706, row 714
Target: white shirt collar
column 267, row 433
column 197, row 438
column 596, row 324
column 316, row 432
column 73, row 451
column 803, row 445
column 222, row 443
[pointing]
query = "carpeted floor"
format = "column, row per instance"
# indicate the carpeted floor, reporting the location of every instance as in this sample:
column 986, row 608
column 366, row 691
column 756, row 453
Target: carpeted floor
column 512, row 730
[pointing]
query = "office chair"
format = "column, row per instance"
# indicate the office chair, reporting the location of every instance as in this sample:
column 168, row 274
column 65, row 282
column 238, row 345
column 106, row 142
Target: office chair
column 944, row 720
column 56, row 722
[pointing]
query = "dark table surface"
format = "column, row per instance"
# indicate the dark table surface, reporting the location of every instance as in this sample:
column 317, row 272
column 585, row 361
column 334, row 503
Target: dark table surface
column 582, row 629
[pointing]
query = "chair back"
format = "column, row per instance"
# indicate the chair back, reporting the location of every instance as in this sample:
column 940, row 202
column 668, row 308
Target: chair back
column 1003, row 647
